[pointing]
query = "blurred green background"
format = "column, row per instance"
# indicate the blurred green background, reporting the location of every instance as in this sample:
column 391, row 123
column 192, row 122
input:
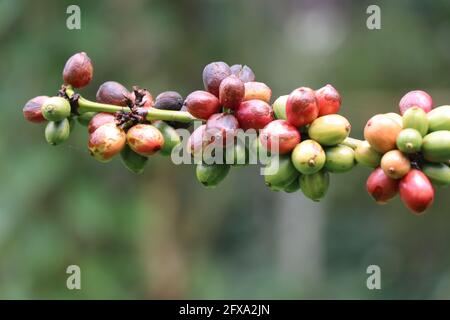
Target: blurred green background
column 162, row 235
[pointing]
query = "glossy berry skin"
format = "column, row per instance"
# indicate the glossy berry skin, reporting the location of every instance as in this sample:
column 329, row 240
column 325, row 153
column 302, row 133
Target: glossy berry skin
column 78, row 70
column 244, row 73
column 197, row 140
column 381, row 132
column 100, row 119
column 231, row 92
column 328, row 100
column 202, row 104
column 32, row 109
column 254, row 114
column 146, row 101
column 55, row 109
column 416, row 98
column 257, row 90
column 169, row 100
column 279, row 134
column 112, row 92
column 416, row 191
column 133, row 161
column 381, row 187
column 145, row 139
column 221, row 128
column 213, row 74
column 301, row 107
column 107, row 141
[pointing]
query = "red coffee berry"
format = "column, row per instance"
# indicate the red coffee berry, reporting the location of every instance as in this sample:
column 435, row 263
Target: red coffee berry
column 381, row 187
column 254, row 114
column 112, row 92
column 145, row 139
column 301, row 107
column 99, row 120
column 213, row 74
column 197, row 140
column 107, row 141
column 416, row 191
column 244, row 73
column 328, row 100
column 221, row 127
column 145, row 98
column 417, row 98
column 202, row 104
column 281, row 133
column 32, row 109
column 231, row 92
column 257, row 90
column 78, row 70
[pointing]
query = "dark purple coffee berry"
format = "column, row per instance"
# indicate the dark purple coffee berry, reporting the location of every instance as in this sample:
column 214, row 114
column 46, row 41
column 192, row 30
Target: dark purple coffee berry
column 112, row 92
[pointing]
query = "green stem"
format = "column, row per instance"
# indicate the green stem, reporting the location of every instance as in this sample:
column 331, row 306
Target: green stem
column 85, row 105
column 351, row 142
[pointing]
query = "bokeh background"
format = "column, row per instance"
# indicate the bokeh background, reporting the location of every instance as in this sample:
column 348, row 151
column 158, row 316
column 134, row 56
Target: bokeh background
column 161, row 234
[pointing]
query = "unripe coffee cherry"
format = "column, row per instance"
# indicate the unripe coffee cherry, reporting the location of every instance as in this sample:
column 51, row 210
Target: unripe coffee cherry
column 55, row 109
column 381, row 187
column 339, row 159
column 170, row 135
column 145, row 139
column 294, row 186
column 169, row 100
column 197, row 141
column 409, row 141
column 202, row 104
column 308, row 157
column 213, row 74
column 329, row 130
column 100, row 119
column 244, row 73
column 254, row 114
column 56, row 132
column 221, row 128
column 112, row 92
column 436, row 146
column 417, row 98
column 210, row 175
column 279, row 137
column 439, row 118
column 281, row 177
column 301, row 107
column 366, row 155
column 416, row 118
column 146, row 101
column 416, row 191
column 231, row 92
column 438, row 173
column 85, row 118
column 257, row 90
column 133, row 161
column 395, row 164
column 78, row 70
column 315, row 186
column 381, row 132
column 279, row 107
column 328, row 100
column 32, row 109
column 396, row 117
column 107, row 141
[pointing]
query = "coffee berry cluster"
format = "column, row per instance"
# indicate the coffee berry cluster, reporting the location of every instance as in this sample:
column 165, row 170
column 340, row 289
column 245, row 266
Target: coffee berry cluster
column 299, row 138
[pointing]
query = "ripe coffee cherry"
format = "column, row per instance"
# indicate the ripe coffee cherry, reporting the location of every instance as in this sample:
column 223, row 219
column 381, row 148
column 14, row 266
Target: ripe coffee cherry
column 221, row 128
column 145, row 139
column 56, row 132
column 329, row 130
column 381, row 132
column 328, row 100
column 409, row 141
column 416, row 191
column 146, row 101
column 244, row 73
column 197, row 141
column 32, row 109
column 55, row 109
column 231, row 92
column 339, row 159
column 416, row 118
column 254, row 114
column 395, row 164
column 315, row 186
column 366, row 155
column 170, row 135
column 213, row 74
column 210, row 175
column 133, row 161
column 281, row 174
column 381, row 187
column 279, row 107
column 169, row 100
column 436, row 146
column 107, row 141
column 301, row 107
column 100, row 119
column 257, row 90
column 202, row 104
column 438, row 173
column 439, row 119
column 112, row 92
column 308, row 157
column 78, row 70
column 279, row 137
column 417, row 98
column 85, row 118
